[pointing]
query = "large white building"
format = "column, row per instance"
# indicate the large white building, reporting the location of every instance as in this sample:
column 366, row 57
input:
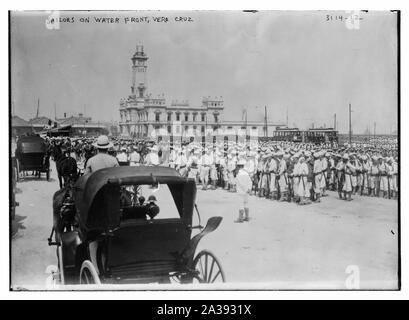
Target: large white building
column 143, row 115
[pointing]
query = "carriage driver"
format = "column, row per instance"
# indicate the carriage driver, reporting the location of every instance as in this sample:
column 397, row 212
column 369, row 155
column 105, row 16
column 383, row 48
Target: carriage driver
column 102, row 159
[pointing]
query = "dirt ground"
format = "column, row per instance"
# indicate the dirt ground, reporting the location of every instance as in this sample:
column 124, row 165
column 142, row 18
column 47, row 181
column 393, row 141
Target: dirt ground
column 284, row 246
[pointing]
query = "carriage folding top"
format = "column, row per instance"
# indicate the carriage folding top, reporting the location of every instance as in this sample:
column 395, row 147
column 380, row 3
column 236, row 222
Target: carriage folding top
column 31, row 144
column 133, row 250
column 31, row 154
column 97, row 195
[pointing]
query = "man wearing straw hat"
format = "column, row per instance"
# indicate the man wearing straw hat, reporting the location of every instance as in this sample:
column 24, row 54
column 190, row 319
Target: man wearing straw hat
column 102, row 159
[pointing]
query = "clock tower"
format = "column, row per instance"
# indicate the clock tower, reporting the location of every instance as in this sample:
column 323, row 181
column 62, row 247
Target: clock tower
column 139, row 68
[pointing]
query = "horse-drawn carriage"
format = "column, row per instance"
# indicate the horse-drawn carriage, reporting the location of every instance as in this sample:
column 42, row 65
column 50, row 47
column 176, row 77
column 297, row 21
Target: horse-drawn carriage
column 105, row 234
column 13, row 202
column 31, row 155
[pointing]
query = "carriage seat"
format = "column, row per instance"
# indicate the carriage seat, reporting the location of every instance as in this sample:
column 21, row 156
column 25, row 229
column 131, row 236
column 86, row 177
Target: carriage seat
column 135, row 212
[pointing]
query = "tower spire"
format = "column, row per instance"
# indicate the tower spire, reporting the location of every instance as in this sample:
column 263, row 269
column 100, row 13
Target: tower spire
column 139, row 68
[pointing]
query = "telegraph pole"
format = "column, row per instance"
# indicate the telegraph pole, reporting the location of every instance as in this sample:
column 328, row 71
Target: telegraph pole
column 335, row 121
column 38, row 108
column 265, row 121
column 374, row 130
column 287, row 117
column 245, row 119
column 350, row 127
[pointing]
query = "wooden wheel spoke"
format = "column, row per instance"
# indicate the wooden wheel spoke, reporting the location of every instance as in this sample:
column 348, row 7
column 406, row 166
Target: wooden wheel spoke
column 201, row 266
column 208, row 270
column 215, row 277
column 205, row 275
column 211, row 270
column 85, row 276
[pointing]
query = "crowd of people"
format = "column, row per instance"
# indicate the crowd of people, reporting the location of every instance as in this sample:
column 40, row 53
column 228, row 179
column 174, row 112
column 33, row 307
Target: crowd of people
column 301, row 173
column 282, row 171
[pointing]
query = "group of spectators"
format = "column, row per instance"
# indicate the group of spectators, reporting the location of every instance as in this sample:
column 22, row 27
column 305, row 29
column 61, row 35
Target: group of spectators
column 283, row 171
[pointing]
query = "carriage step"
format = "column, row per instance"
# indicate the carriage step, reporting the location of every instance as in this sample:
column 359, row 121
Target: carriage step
column 53, row 243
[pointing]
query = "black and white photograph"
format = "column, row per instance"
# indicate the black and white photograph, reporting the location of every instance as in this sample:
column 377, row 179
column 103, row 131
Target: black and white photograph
column 204, row 150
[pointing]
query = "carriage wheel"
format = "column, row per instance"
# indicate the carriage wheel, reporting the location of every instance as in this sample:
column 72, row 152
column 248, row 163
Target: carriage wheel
column 88, row 273
column 60, row 265
column 17, row 170
column 13, row 211
column 208, row 268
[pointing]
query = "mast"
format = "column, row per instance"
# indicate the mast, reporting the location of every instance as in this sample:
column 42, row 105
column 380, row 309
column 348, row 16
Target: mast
column 350, row 127
column 38, row 107
column 265, row 121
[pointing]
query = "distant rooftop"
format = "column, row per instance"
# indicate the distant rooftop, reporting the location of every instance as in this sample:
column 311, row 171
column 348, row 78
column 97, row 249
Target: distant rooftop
column 73, row 120
column 43, row 121
column 16, row 121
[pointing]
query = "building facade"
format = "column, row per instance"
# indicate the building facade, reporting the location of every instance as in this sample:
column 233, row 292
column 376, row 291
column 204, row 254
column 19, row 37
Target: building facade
column 143, row 115
column 82, row 125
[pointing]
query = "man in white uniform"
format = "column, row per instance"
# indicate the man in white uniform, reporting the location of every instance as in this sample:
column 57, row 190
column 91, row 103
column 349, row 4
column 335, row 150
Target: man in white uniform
column 134, row 157
column 205, row 168
column 122, row 157
column 243, row 189
column 152, row 159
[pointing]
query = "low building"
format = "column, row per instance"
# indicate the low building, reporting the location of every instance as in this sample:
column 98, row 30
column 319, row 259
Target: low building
column 20, row 126
column 83, row 126
column 40, row 123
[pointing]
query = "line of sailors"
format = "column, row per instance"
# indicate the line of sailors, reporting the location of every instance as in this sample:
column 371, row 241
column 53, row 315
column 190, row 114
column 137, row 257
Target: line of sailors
column 302, row 176
column 300, row 173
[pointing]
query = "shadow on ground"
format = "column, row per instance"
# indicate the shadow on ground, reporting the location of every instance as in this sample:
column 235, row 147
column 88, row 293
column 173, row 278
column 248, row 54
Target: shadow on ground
column 17, row 224
column 34, row 178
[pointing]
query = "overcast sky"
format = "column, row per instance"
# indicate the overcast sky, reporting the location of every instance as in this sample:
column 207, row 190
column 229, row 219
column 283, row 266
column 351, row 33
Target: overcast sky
column 294, row 60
